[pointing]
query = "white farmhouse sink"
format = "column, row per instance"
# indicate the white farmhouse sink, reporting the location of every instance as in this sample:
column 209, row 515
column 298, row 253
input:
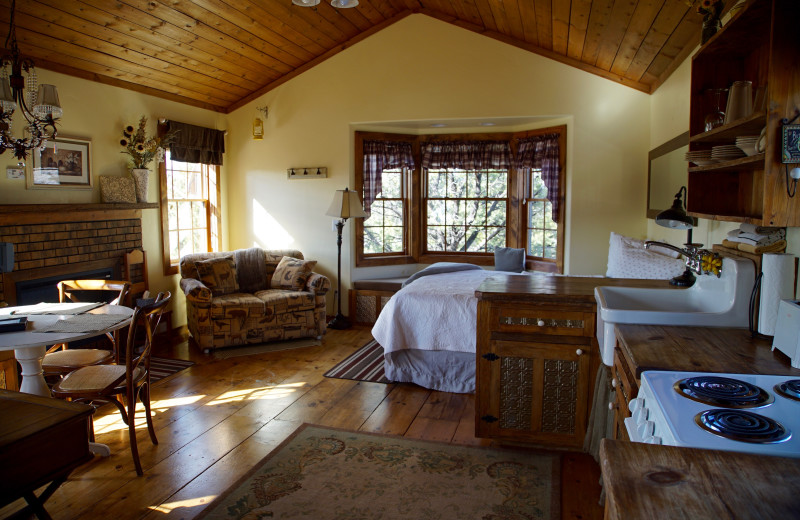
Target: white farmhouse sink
column 710, row 302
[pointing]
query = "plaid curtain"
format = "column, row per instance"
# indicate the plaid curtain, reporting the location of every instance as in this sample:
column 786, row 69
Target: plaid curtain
column 379, row 156
column 541, row 152
column 466, row 155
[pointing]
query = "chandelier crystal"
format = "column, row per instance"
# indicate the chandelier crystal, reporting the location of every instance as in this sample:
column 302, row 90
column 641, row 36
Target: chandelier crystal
column 16, row 92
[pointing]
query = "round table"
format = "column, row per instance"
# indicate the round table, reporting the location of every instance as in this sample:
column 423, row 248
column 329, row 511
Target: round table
column 30, row 345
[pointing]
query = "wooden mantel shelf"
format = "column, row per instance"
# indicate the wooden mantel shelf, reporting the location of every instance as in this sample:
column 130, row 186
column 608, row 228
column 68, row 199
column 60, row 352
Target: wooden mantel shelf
column 16, row 214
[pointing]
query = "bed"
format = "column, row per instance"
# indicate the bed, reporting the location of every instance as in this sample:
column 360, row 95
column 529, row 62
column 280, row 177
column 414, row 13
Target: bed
column 427, row 329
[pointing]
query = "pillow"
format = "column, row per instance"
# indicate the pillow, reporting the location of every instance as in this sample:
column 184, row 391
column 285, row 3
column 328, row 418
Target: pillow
column 627, row 258
column 218, row 274
column 509, row 259
column 292, row 274
column 117, row 189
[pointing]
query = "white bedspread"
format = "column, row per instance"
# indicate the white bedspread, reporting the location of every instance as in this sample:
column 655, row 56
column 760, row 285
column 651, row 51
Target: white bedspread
column 437, row 312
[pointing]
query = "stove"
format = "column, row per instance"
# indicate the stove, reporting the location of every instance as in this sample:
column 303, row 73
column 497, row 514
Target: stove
column 734, row 412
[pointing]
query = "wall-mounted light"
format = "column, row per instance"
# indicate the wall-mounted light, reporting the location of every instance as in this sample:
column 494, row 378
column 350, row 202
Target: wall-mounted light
column 317, row 172
column 339, row 4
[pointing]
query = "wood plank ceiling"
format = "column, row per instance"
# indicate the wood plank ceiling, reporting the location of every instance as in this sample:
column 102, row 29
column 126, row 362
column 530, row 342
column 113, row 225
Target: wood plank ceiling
column 221, row 54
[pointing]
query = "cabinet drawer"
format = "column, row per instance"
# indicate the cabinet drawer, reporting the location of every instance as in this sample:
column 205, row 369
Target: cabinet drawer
column 540, row 320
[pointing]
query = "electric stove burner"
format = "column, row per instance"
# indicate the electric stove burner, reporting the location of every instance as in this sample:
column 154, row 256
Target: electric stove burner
column 723, row 391
column 790, row 389
column 740, row 425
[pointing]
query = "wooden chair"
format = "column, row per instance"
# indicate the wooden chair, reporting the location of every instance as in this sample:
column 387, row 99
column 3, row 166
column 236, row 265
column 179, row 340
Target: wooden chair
column 59, row 360
column 134, row 270
column 105, row 383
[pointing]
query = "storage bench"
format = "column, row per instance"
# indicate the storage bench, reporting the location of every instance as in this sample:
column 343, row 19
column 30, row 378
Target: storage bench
column 368, row 297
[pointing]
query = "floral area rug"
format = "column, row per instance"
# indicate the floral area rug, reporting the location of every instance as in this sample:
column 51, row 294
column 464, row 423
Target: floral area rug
column 323, row 473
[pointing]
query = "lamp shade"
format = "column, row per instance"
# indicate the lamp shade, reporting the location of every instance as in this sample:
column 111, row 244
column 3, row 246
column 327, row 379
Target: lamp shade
column 47, row 102
column 306, row 3
column 346, row 204
column 675, row 217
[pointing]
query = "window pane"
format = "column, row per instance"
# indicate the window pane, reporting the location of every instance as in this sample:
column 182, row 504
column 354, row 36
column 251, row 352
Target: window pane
column 476, row 239
column 376, row 214
column 436, row 238
column 454, row 212
column 393, row 213
column 550, row 243
column 435, row 212
column 394, row 240
column 456, row 183
column 391, row 184
column 476, row 213
column 437, row 183
column 455, row 238
column 174, row 252
column 538, row 189
column 172, row 215
column 496, row 213
column 373, row 242
column 179, row 185
column 198, row 214
column 496, row 237
column 194, row 188
column 476, row 184
column 184, row 215
column 498, row 184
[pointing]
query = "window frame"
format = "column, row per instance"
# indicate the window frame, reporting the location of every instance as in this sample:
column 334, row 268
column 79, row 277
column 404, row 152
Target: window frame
column 213, row 212
column 415, row 218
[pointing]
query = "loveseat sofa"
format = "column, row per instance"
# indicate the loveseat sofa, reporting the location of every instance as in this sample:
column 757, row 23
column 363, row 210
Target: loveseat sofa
column 252, row 296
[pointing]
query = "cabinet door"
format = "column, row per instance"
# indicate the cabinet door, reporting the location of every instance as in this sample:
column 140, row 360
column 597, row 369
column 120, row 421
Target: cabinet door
column 534, row 391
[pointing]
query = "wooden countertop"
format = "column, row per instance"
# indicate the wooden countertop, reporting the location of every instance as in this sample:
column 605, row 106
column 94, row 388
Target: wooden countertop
column 644, row 481
column 700, row 349
column 562, row 289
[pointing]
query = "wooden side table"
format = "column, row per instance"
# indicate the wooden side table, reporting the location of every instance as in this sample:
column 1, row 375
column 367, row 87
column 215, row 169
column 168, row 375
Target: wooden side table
column 41, row 441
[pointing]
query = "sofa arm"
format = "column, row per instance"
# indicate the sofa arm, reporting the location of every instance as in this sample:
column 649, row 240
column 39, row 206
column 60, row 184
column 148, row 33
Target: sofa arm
column 195, row 291
column 318, row 284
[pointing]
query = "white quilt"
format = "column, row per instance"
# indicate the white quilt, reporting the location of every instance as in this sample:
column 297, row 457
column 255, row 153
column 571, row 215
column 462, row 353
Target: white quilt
column 438, row 312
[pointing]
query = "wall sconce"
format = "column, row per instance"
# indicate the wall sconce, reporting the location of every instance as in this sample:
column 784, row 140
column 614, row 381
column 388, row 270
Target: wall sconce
column 317, row 172
column 258, row 124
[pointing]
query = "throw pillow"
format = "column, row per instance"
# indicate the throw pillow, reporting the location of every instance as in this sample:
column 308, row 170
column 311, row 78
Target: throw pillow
column 509, row 259
column 292, row 274
column 117, row 189
column 218, row 274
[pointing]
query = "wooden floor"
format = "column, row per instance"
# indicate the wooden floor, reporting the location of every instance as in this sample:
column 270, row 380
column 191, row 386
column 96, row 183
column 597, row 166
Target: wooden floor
column 215, row 420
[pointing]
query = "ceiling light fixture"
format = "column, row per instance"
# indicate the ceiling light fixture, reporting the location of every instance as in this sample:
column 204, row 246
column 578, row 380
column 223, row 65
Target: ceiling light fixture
column 339, row 4
column 45, row 107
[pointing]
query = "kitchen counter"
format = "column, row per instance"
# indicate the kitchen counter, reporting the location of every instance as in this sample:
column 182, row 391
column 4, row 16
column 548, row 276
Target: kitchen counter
column 645, row 481
column 699, row 349
column 562, row 289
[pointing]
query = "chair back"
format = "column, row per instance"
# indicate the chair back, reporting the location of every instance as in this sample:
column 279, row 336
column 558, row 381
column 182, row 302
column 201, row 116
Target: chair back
column 134, row 270
column 143, row 325
column 78, row 291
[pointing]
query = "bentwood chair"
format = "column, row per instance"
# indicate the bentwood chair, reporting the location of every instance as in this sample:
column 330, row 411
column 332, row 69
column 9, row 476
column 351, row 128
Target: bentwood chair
column 59, row 360
column 100, row 384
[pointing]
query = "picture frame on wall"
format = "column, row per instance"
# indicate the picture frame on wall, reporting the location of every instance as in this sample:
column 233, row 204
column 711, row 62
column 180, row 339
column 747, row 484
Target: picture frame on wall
column 65, row 162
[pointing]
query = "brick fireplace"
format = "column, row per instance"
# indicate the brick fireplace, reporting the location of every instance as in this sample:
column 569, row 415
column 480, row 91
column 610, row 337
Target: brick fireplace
column 60, row 240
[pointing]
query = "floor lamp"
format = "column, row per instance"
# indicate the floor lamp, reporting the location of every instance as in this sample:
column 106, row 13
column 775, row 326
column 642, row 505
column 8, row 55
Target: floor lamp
column 676, row 218
column 345, row 205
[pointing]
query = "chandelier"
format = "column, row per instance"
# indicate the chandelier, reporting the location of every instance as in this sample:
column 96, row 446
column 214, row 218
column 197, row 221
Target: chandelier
column 339, row 4
column 44, row 109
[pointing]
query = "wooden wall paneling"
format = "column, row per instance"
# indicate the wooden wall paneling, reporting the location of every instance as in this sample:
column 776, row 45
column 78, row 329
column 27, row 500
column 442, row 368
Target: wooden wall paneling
column 641, row 20
column 487, row 17
column 661, row 29
column 561, row 26
column 351, row 21
column 544, row 23
column 466, row 10
column 513, row 20
column 598, row 20
column 578, row 23
column 376, row 11
column 675, row 51
column 614, row 32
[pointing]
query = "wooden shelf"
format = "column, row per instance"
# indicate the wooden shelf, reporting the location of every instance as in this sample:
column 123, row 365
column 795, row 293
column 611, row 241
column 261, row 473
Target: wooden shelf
column 728, row 133
column 753, row 162
column 19, row 214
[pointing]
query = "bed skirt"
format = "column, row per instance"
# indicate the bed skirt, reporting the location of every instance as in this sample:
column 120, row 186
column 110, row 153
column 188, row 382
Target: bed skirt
column 441, row 370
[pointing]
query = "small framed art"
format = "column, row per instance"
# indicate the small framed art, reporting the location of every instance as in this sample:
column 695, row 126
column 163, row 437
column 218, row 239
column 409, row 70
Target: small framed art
column 65, row 162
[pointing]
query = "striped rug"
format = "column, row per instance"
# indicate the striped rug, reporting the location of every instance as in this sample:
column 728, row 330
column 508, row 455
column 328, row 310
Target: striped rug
column 366, row 364
column 161, row 368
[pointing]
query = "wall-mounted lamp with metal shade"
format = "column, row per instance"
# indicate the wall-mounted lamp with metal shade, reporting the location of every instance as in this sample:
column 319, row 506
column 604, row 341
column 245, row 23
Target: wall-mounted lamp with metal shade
column 676, row 218
column 339, row 4
column 345, row 205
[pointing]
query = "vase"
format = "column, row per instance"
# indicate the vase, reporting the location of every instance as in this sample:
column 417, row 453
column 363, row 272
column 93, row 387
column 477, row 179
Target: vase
column 710, row 28
column 141, row 177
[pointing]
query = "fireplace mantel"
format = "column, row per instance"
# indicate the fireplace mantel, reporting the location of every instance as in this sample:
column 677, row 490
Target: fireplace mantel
column 11, row 214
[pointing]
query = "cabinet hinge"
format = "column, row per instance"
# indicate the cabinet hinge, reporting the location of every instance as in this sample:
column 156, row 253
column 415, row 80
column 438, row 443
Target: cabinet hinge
column 491, row 356
column 489, row 418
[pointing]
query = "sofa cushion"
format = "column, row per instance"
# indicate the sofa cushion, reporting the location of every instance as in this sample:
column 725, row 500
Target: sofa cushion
column 237, row 305
column 292, row 274
column 279, row 301
column 218, row 274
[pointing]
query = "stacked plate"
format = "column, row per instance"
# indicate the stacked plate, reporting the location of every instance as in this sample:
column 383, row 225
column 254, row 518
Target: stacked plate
column 726, row 152
column 747, row 144
column 700, row 157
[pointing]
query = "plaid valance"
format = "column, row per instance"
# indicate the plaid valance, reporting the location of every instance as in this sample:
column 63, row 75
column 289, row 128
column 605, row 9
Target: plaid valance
column 466, row 155
column 541, row 152
column 379, row 156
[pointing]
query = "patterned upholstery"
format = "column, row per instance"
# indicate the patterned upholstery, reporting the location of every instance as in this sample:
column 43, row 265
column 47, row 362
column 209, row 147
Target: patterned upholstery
column 240, row 318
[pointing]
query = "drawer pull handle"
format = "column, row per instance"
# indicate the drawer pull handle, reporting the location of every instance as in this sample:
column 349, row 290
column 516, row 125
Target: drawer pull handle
column 579, row 351
column 491, row 356
column 611, row 405
column 540, row 323
column 613, row 382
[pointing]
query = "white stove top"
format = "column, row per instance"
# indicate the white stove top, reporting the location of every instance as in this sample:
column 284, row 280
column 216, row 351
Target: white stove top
column 673, row 415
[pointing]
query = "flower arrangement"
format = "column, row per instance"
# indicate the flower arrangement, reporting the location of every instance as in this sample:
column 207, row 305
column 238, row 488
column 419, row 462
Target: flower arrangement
column 710, row 9
column 142, row 149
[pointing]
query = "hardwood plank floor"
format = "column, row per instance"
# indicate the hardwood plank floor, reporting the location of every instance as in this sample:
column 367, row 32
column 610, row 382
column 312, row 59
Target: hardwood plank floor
column 217, row 419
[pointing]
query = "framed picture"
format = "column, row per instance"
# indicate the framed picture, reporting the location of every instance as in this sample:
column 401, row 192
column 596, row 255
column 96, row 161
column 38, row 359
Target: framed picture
column 65, row 162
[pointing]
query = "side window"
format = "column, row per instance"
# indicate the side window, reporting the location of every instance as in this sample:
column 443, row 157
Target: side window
column 542, row 231
column 384, row 229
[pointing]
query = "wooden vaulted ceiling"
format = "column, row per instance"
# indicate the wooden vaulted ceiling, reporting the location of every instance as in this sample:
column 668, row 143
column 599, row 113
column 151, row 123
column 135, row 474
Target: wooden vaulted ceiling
column 221, row 54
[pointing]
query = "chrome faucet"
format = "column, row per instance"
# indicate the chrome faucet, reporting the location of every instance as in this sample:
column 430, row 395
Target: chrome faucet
column 700, row 261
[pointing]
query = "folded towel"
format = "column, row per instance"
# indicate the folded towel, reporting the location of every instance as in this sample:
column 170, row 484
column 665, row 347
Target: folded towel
column 756, row 240
column 776, row 247
column 760, row 230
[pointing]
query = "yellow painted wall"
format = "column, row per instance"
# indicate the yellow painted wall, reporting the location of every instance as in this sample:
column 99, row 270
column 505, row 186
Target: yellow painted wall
column 424, row 69
column 100, row 112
